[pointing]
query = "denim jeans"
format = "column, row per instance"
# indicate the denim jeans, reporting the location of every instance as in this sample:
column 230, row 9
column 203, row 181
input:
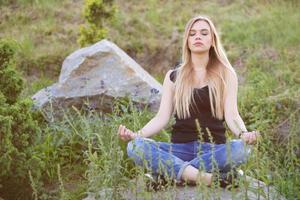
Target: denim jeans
column 170, row 159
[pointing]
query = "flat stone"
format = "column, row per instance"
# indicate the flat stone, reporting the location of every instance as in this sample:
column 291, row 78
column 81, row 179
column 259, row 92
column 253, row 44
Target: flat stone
column 251, row 189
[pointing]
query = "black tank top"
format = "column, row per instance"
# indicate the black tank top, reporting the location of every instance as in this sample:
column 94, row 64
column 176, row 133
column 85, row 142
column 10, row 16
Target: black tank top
column 187, row 130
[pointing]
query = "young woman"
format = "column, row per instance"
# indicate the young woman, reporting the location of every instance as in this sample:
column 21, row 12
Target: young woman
column 203, row 94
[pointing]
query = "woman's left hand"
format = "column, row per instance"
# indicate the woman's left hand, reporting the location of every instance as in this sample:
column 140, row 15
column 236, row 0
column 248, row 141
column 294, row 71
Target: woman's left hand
column 250, row 137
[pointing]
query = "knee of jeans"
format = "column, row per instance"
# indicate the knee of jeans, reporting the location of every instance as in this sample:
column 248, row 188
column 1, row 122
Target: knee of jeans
column 240, row 152
column 130, row 148
column 133, row 146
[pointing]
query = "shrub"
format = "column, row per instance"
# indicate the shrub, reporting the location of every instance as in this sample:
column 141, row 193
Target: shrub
column 18, row 129
column 96, row 12
column 11, row 83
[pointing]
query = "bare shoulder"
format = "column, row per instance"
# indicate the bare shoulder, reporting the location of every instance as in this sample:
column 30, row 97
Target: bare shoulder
column 168, row 84
column 167, row 81
column 166, row 104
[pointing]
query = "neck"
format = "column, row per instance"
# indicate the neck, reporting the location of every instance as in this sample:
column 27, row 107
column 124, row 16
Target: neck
column 200, row 61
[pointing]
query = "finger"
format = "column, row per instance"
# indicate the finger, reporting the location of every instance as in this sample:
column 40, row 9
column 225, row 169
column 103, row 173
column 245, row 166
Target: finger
column 122, row 138
column 249, row 139
column 127, row 134
column 253, row 138
column 133, row 135
column 245, row 136
column 123, row 133
column 123, row 130
column 130, row 134
column 119, row 130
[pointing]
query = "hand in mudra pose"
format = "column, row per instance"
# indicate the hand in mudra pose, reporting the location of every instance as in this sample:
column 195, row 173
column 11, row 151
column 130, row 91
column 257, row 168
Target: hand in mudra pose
column 125, row 134
column 250, row 137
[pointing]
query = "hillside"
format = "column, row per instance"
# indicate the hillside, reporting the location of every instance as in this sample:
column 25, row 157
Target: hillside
column 261, row 39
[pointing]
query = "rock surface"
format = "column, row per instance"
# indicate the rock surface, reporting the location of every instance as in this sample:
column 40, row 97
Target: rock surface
column 255, row 190
column 94, row 76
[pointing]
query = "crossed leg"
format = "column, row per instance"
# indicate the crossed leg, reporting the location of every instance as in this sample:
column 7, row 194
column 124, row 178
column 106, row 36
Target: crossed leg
column 180, row 161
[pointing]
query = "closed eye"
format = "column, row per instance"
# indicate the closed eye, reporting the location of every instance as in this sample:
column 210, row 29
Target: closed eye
column 204, row 32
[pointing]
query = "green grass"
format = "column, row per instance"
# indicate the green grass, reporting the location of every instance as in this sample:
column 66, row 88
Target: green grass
column 45, row 31
column 89, row 142
column 261, row 39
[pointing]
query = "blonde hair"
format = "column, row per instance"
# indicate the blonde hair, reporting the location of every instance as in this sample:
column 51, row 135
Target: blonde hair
column 219, row 73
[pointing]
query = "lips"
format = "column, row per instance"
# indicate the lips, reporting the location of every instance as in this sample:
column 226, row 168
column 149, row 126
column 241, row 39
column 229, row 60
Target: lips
column 198, row 43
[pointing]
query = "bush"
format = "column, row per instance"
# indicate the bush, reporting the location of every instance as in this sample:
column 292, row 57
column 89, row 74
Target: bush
column 18, row 128
column 96, row 12
column 11, row 83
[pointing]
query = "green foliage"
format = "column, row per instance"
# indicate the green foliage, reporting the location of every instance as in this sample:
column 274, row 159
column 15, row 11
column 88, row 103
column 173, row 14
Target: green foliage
column 22, row 2
column 90, row 140
column 11, row 83
column 260, row 37
column 18, row 128
column 40, row 28
column 96, row 13
column 6, row 2
column 273, row 110
column 106, row 155
column 7, row 51
column 91, row 34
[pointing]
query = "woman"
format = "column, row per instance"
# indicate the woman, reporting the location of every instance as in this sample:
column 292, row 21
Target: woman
column 203, row 94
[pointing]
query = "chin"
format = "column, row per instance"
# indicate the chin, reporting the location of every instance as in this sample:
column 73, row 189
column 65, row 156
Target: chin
column 199, row 51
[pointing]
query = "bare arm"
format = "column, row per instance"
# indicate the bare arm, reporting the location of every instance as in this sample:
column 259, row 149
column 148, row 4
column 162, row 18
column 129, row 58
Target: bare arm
column 165, row 111
column 232, row 116
column 162, row 117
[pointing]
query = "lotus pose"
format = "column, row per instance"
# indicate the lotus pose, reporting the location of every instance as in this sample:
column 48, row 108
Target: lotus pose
column 202, row 94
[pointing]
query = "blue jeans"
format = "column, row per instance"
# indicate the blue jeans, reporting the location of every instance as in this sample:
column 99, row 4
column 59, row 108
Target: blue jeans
column 170, row 159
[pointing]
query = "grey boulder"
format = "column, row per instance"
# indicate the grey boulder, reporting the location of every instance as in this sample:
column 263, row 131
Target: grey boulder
column 96, row 75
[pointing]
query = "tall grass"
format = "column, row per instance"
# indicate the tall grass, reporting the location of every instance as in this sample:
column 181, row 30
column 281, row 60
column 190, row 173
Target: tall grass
column 261, row 39
column 111, row 175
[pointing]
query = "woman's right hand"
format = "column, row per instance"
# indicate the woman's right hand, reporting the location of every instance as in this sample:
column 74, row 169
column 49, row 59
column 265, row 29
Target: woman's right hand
column 125, row 134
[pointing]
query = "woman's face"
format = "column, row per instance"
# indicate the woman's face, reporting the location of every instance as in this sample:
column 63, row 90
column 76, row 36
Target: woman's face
column 200, row 37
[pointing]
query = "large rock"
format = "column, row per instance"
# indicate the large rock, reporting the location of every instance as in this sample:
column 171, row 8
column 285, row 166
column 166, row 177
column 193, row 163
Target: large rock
column 94, row 76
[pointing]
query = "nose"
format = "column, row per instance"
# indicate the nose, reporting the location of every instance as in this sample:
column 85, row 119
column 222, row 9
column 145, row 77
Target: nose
column 198, row 36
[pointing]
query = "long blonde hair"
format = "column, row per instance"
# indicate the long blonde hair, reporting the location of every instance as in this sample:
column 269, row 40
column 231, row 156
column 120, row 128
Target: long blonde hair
column 219, row 73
